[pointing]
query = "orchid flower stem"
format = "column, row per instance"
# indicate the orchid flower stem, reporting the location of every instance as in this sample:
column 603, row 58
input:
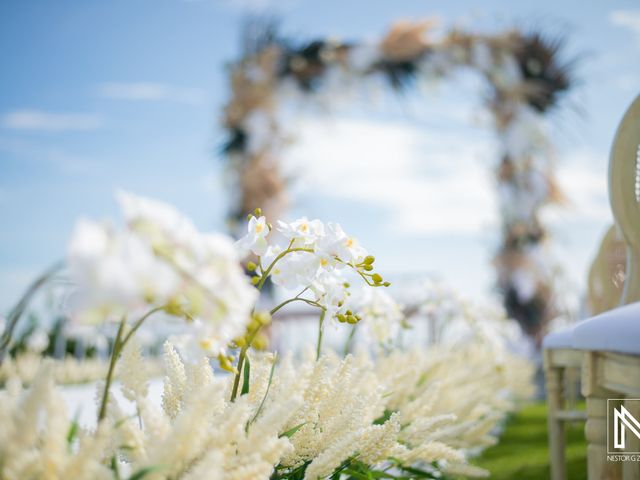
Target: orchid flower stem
column 349, row 344
column 286, row 302
column 112, row 365
column 236, row 380
column 118, row 345
column 243, row 354
column 266, row 273
column 320, row 331
column 140, row 321
column 296, row 299
column 245, row 348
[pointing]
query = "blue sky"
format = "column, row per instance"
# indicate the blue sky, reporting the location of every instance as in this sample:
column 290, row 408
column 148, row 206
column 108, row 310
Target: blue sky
column 99, row 95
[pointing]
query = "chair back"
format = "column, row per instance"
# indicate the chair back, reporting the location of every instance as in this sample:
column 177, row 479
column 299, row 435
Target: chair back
column 624, row 195
column 606, row 274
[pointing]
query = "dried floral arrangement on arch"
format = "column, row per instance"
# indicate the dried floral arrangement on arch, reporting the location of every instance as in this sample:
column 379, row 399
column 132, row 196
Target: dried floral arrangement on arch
column 526, row 80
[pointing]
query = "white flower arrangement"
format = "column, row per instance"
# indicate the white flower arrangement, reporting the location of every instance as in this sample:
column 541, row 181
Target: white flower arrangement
column 397, row 414
column 160, row 261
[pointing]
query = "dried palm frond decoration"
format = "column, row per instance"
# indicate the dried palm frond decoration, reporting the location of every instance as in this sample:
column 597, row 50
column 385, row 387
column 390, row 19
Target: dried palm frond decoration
column 527, row 78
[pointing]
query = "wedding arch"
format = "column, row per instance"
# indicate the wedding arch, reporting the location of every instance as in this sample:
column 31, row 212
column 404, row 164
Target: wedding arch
column 525, row 77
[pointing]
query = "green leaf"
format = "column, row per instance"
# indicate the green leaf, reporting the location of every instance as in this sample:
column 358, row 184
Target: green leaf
column 415, row 472
column 143, row 472
column 266, row 393
column 289, row 433
column 384, row 417
column 422, row 380
column 114, row 467
column 73, row 431
column 355, row 474
column 246, row 376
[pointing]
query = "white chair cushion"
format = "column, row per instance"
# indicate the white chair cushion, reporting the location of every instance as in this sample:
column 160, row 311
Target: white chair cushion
column 559, row 339
column 617, row 330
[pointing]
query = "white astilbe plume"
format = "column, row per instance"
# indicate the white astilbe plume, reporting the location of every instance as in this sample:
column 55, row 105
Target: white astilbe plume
column 341, row 398
column 333, row 456
column 133, row 372
column 90, row 459
column 199, row 375
column 69, row 370
column 204, row 434
column 33, row 437
column 174, row 381
column 439, row 399
column 431, row 452
column 465, row 470
column 342, row 419
column 421, row 409
column 209, row 467
column 379, row 442
column 186, row 439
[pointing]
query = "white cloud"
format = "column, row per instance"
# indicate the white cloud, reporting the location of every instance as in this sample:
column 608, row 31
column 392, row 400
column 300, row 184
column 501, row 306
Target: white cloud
column 629, row 19
column 428, row 181
column 152, row 92
column 583, row 176
column 48, row 121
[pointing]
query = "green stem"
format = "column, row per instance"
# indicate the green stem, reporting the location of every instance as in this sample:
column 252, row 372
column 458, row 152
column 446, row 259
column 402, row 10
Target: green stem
column 286, row 302
column 295, row 299
column 236, row 380
column 137, row 325
column 266, row 393
column 348, row 345
column 112, row 365
column 320, row 331
column 21, row 306
column 118, row 345
column 243, row 354
column 245, row 348
column 266, row 273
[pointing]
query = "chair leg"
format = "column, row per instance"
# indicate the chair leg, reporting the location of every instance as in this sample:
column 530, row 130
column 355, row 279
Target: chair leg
column 554, row 380
column 631, row 470
column 595, row 429
column 571, row 382
column 596, row 433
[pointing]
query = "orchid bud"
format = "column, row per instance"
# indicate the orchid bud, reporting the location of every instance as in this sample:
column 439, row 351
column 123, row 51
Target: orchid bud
column 225, row 364
column 261, row 342
column 263, row 318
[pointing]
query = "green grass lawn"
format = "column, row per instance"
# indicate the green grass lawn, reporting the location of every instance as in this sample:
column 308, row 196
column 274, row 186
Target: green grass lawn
column 523, row 452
